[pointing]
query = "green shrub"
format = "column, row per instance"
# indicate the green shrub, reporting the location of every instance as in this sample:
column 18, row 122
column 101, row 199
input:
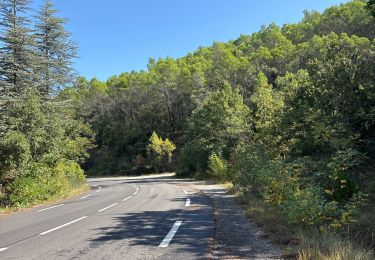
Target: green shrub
column 291, row 188
column 14, row 151
column 39, row 182
column 218, row 166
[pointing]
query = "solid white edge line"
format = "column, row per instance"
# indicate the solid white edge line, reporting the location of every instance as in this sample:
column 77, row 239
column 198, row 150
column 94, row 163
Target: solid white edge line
column 3, row 249
column 86, row 196
column 56, row 228
column 170, row 234
column 50, row 207
column 187, row 204
column 114, row 204
column 186, row 192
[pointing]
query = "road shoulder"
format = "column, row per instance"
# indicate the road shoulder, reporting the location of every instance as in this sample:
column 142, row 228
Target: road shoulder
column 235, row 236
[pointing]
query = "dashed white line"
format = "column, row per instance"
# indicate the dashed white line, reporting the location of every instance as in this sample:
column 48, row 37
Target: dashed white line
column 56, row 228
column 186, row 192
column 84, row 197
column 50, row 207
column 3, row 249
column 187, row 203
column 107, row 207
column 170, row 234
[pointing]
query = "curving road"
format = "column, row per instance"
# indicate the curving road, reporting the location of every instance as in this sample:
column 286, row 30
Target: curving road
column 120, row 218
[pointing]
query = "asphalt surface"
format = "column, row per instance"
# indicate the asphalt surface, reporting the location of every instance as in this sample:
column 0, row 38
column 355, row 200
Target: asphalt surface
column 120, row 218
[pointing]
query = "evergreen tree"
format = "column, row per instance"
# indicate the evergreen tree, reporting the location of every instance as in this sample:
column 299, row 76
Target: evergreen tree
column 16, row 55
column 55, row 50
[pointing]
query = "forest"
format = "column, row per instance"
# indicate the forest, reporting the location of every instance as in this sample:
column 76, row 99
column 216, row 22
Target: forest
column 286, row 113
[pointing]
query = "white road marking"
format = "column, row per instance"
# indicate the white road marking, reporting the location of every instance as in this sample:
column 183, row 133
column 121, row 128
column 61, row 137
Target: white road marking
column 50, row 207
column 136, row 190
column 108, row 207
column 135, row 193
column 3, row 249
column 187, row 204
column 86, row 196
column 56, row 228
column 170, row 234
column 186, row 192
column 100, row 188
column 127, row 198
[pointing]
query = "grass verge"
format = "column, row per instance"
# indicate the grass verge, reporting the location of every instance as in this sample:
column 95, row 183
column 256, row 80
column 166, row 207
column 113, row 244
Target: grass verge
column 309, row 243
column 71, row 194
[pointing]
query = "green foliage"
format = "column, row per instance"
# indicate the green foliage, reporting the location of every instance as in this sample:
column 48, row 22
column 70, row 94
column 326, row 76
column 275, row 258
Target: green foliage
column 156, row 144
column 42, row 137
column 217, row 125
column 286, row 113
column 218, row 166
column 161, row 149
column 54, row 49
column 39, row 182
column 14, row 151
column 39, row 155
column 371, row 7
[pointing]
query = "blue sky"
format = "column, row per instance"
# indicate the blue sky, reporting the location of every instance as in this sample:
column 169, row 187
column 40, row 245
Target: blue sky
column 121, row 35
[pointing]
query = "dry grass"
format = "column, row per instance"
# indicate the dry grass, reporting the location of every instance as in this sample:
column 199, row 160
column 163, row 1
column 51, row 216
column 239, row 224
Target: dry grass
column 272, row 224
column 330, row 246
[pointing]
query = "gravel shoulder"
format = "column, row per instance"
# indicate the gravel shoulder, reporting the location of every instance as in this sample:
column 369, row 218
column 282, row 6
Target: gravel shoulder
column 235, row 236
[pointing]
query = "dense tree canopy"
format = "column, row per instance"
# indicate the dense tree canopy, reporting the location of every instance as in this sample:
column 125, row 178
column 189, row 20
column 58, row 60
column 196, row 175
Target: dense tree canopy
column 287, row 113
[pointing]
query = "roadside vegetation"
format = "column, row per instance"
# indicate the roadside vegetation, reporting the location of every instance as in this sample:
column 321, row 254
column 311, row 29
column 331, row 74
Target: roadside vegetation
column 42, row 139
column 286, row 114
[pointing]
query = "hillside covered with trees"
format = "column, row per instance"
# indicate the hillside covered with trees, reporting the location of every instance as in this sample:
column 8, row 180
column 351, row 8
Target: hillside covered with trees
column 286, row 113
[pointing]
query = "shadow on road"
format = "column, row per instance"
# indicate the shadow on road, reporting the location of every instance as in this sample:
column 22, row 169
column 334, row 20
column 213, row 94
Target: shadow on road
column 149, row 228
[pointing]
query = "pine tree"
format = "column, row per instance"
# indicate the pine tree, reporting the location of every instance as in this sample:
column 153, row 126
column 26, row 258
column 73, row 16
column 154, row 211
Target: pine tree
column 55, row 50
column 16, row 55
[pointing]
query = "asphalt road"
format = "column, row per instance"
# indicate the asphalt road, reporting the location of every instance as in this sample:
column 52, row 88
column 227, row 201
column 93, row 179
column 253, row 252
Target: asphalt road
column 146, row 218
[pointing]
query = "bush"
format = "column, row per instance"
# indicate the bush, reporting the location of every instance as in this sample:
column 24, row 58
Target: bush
column 39, row 182
column 218, row 166
column 192, row 160
column 292, row 189
column 14, row 151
